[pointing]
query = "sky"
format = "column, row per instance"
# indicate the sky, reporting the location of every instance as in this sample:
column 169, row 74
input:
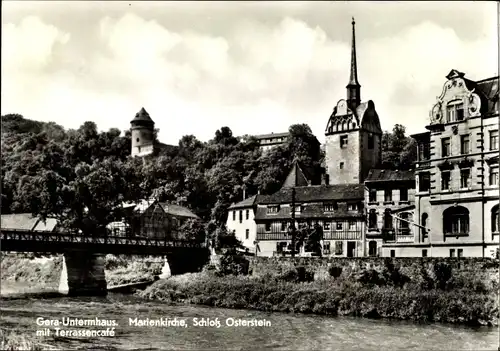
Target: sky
column 256, row 67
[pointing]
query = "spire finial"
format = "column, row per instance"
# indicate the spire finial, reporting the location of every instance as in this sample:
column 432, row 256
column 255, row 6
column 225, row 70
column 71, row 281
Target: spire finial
column 353, row 80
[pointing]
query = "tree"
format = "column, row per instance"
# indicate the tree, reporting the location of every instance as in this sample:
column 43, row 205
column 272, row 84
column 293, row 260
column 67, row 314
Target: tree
column 398, row 150
column 193, row 230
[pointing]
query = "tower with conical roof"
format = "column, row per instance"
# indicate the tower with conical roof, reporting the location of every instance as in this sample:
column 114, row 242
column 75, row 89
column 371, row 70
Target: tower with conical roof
column 353, row 134
column 142, row 128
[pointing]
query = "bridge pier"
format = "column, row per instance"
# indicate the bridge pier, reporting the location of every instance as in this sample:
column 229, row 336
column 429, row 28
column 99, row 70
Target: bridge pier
column 84, row 274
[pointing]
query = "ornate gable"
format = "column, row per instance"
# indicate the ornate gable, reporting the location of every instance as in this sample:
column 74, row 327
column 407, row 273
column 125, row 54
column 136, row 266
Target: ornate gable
column 457, row 101
column 342, row 118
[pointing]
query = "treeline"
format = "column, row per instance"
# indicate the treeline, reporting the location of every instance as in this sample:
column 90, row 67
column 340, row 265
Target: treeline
column 79, row 176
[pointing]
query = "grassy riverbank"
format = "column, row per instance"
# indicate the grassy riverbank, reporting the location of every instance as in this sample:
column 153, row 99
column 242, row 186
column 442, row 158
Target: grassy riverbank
column 435, row 296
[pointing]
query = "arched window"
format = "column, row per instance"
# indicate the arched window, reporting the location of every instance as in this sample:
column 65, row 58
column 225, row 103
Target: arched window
column 388, row 219
column 494, row 219
column 456, row 220
column 344, row 126
column 372, row 248
column 423, row 223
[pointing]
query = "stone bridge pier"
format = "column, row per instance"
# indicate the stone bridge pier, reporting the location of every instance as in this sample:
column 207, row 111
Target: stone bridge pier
column 83, row 273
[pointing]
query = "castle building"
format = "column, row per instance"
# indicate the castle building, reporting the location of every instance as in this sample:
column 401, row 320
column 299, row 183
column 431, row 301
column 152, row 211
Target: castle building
column 268, row 141
column 456, row 197
column 142, row 128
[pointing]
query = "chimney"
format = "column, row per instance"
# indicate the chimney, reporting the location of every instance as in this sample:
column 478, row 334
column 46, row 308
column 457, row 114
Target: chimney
column 309, row 182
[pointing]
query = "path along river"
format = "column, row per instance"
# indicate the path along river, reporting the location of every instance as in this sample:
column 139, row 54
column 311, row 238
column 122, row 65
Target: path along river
column 287, row 331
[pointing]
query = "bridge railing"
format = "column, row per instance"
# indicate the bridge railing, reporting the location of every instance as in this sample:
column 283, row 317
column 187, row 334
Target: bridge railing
column 40, row 236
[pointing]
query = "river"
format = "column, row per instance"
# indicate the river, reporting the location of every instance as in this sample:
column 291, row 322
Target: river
column 287, row 331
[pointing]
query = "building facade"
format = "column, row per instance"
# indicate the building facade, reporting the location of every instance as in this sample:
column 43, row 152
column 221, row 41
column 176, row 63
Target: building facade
column 241, row 221
column 457, row 194
column 268, row 141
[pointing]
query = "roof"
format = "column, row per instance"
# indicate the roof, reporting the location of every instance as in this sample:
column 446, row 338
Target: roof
column 272, row 135
column 176, row 210
column 296, row 177
column 248, row 202
column 316, row 193
column 142, row 116
column 387, row 175
column 489, row 88
column 310, row 211
column 25, row 221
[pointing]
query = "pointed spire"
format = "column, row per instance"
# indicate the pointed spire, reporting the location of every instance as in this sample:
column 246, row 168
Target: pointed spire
column 353, row 80
column 353, row 88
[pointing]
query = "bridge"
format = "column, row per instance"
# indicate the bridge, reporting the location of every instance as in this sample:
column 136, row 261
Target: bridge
column 84, row 255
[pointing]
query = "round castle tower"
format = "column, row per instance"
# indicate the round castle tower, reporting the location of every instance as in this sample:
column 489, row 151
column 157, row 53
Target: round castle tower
column 142, row 129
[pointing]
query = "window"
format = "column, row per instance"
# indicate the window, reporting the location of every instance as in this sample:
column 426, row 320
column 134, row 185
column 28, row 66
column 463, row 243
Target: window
column 452, row 252
column 460, row 112
column 494, row 219
column 281, row 246
column 283, row 226
column 455, row 111
column 445, row 147
column 241, row 216
column 298, row 208
column 247, row 214
column 341, row 166
column 456, row 221
column 424, row 253
column 372, row 219
column 352, row 225
column 387, row 219
column 494, row 140
column 388, row 195
column 403, row 194
column 393, row 253
column 247, row 233
column 372, row 248
column 371, row 142
column 339, row 247
column 234, row 215
column 464, row 144
column 352, row 207
column 423, row 223
column 329, row 207
column 460, row 252
column 424, row 151
column 326, row 248
column 445, row 180
column 137, row 139
column 339, row 225
column 403, row 223
column 343, row 141
column 272, row 209
column 326, row 225
column 424, row 181
column 464, row 178
column 372, row 195
column 268, row 227
column 494, row 176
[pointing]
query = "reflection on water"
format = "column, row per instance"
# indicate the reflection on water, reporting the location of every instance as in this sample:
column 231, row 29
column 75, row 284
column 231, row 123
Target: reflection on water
column 287, row 331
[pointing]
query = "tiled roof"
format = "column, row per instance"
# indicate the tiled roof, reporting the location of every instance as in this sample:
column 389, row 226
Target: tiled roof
column 385, row 175
column 316, row 193
column 176, row 210
column 248, row 202
column 489, row 88
column 142, row 116
column 272, row 135
column 309, row 211
column 25, row 221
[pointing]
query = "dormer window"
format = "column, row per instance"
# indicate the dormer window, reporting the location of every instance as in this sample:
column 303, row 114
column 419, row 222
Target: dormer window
column 273, row 209
column 352, row 207
column 298, row 208
column 329, row 207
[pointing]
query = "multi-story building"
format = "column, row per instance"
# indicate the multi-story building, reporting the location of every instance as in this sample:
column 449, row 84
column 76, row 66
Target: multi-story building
column 241, row 221
column 268, row 141
column 337, row 208
column 390, row 204
column 456, row 196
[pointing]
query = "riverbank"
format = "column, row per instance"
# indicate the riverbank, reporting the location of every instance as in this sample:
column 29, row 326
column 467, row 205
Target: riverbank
column 436, row 294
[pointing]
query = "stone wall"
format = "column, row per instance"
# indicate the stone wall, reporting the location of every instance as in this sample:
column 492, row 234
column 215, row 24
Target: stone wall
column 486, row 268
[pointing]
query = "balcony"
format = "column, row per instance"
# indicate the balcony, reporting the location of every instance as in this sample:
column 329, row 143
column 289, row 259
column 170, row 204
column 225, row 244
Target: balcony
column 327, row 235
column 398, row 236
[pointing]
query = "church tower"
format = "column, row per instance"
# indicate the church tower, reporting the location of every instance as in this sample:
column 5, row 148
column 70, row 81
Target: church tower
column 142, row 128
column 353, row 135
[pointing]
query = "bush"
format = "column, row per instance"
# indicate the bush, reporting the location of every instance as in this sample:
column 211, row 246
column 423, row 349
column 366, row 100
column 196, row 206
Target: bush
column 392, row 274
column 442, row 274
column 233, row 265
column 335, row 271
column 297, row 275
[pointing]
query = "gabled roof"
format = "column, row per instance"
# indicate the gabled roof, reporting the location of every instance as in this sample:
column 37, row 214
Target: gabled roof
column 296, row 177
column 272, row 135
column 176, row 210
column 247, row 203
column 25, row 221
column 316, row 193
column 387, row 175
